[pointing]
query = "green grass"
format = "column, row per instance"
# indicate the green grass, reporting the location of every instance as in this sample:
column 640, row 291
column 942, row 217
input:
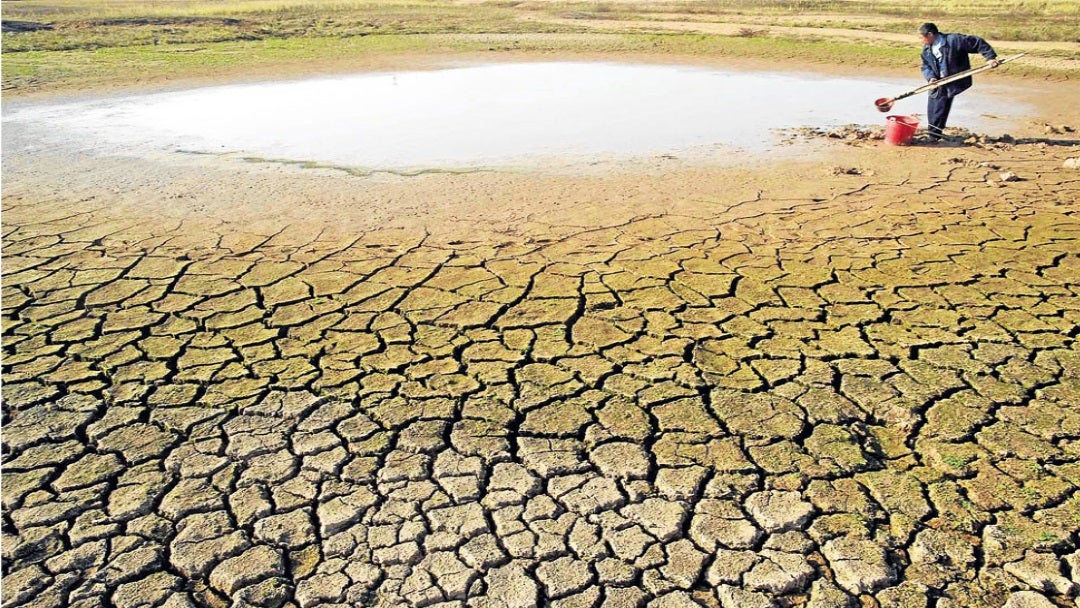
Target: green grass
column 158, row 26
column 43, row 69
column 103, row 43
column 955, row 462
column 1047, row 537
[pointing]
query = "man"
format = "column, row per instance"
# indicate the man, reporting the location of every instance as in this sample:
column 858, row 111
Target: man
column 944, row 55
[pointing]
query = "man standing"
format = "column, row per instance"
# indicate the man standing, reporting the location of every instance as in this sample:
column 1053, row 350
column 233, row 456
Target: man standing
column 944, row 55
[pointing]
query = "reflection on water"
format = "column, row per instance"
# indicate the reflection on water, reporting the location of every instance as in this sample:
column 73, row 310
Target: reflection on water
column 484, row 115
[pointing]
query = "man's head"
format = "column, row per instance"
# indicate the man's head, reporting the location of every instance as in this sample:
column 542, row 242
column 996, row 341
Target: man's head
column 928, row 31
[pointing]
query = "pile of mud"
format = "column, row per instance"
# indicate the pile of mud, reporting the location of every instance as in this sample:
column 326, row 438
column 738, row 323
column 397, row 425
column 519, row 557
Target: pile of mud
column 857, row 135
column 852, row 134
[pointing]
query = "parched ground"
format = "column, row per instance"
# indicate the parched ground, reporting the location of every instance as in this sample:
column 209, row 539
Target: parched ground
column 861, row 389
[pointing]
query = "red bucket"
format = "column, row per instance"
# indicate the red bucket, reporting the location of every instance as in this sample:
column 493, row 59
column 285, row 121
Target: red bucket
column 900, row 129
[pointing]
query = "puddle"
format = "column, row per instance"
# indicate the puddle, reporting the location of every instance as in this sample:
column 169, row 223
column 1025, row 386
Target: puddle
column 505, row 114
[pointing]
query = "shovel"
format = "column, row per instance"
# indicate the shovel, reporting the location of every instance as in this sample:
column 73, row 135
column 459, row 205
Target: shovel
column 886, row 103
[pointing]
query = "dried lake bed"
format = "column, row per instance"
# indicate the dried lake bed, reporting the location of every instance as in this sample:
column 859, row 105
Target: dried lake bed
column 849, row 379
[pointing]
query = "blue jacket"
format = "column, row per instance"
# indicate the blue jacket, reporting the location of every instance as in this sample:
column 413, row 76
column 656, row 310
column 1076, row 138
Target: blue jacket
column 955, row 52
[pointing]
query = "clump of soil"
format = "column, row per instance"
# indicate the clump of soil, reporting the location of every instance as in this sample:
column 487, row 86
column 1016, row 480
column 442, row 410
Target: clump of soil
column 851, row 134
column 838, row 170
column 1059, row 129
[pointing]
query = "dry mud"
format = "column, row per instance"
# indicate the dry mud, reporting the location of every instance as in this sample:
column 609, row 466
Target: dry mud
column 847, row 382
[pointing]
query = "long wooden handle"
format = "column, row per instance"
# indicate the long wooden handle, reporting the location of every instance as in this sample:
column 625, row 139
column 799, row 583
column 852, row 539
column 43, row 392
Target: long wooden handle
column 953, row 78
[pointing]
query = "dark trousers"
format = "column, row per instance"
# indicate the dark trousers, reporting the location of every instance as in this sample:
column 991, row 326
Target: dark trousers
column 937, row 113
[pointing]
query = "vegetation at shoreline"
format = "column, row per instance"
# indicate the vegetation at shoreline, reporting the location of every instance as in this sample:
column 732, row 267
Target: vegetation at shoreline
column 63, row 44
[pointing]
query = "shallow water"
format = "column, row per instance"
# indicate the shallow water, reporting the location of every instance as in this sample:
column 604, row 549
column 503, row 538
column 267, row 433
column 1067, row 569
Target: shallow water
column 487, row 115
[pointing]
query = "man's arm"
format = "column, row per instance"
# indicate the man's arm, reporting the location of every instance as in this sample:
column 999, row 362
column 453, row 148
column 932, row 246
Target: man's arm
column 974, row 44
column 928, row 69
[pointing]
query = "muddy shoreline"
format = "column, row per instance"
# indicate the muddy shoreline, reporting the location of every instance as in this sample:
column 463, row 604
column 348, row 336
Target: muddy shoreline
column 234, row 189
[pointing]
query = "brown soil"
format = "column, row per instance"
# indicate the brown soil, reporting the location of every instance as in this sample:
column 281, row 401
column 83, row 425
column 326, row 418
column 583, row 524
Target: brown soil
column 837, row 374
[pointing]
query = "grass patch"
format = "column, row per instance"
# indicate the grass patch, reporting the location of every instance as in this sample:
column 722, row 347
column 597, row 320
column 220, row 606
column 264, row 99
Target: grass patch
column 62, row 44
column 58, row 70
column 155, row 26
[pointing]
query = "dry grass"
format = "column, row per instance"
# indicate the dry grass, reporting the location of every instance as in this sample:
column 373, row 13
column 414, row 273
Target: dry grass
column 1035, row 21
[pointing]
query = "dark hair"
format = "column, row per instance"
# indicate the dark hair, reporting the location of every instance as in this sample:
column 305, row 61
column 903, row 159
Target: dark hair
column 928, row 28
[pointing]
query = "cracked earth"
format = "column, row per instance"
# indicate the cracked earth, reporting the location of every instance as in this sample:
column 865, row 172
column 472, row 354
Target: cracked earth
column 869, row 397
